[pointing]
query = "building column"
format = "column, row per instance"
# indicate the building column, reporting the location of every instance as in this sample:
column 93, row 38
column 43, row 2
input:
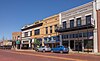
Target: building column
column 29, row 44
column 74, row 44
column 82, row 45
column 69, row 47
column 60, row 40
column 95, row 40
column 42, row 41
column 95, row 43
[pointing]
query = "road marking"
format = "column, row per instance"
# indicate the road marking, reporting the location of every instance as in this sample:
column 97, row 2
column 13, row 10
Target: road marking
column 45, row 56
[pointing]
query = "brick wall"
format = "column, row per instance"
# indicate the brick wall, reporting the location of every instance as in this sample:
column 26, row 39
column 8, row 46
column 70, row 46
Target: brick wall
column 98, row 29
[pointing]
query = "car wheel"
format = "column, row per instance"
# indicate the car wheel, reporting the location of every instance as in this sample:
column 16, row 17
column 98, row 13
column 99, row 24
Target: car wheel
column 43, row 51
column 52, row 51
column 37, row 50
column 61, row 52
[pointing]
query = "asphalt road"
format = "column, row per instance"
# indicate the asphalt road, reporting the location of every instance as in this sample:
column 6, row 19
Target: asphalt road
column 8, row 55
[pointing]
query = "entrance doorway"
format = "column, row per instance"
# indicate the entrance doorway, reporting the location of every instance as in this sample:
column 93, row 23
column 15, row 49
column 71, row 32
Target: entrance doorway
column 78, row 45
column 72, row 44
column 65, row 43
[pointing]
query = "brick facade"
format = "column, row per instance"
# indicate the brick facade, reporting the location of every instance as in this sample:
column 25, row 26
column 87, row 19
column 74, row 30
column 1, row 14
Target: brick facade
column 98, row 29
column 15, row 35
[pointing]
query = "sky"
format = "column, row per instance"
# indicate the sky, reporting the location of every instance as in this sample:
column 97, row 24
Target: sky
column 16, row 13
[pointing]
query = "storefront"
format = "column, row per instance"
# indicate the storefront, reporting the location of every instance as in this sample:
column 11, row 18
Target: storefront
column 18, row 44
column 78, row 41
column 51, row 41
column 26, row 43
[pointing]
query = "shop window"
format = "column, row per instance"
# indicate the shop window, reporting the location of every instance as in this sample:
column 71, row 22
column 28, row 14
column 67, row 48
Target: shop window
column 84, row 34
column 90, row 34
column 88, row 44
column 80, row 34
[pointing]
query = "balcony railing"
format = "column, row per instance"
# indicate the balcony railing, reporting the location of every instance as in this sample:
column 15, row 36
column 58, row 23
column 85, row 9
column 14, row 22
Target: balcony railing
column 60, row 28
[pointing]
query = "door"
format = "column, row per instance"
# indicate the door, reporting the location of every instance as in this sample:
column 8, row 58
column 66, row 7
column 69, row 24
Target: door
column 72, row 44
column 78, row 45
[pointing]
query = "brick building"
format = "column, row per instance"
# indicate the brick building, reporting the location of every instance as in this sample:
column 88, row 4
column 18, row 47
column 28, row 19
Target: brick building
column 16, row 37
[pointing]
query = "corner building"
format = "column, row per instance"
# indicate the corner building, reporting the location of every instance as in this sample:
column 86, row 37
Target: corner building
column 79, row 27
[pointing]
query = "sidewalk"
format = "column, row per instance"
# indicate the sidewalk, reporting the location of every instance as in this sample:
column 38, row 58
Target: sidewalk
column 26, row 50
column 97, row 54
column 75, row 52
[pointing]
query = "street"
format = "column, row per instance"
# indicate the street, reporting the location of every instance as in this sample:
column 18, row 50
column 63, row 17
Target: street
column 8, row 55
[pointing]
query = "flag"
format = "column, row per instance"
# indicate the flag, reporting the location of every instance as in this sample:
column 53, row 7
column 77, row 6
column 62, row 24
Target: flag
column 92, row 21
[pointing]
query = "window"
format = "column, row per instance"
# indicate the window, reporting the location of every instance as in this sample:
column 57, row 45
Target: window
column 64, row 24
column 90, row 34
column 71, row 36
column 30, row 33
column 71, row 23
column 85, row 34
column 26, row 34
column 78, row 21
column 80, row 34
column 50, row 29
column 88, row 19
column 55, row 27
column 75, row 35
column 46, row 30
column 37, row 32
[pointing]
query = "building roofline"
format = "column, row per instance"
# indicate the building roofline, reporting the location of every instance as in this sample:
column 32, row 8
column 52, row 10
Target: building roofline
column 89, row 3
column 51, row 17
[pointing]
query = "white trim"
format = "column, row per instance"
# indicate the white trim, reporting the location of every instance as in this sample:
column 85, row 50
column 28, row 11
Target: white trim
column 27, row 30
column 64, row 20
column 60, row 22
column 71, row 18
column 95, row 29
column 36, row 28
column 78, row 16
column 88, row 14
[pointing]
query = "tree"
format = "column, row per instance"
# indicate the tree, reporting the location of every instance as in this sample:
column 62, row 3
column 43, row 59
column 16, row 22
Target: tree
column 37, row 42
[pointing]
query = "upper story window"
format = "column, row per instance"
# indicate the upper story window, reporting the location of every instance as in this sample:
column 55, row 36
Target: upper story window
column 88, row 19
column 55, row 27
column 78, row 22
column 26, row 34
column 50, row 29
column 64, row 24
column 71, row 23
column 30, row 33
column 46, row 30
column 37, row 32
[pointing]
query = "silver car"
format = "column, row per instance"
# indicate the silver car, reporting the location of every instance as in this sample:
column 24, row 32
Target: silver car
column 43, row 49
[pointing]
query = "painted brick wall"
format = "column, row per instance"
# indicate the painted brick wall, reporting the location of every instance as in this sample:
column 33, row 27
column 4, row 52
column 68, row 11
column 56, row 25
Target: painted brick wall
column 98, row 28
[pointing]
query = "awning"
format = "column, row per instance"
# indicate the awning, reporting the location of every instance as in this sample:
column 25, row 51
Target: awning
column 17, row 42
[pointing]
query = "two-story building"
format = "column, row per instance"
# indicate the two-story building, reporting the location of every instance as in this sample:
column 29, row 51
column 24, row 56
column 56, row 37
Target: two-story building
column 51, row 37
column 46, row 32
column 16, row 37
column 79, row 27
column 26, row 36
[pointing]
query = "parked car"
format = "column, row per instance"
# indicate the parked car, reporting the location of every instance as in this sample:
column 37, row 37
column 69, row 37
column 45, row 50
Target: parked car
column 60, row 49
column 43, row 49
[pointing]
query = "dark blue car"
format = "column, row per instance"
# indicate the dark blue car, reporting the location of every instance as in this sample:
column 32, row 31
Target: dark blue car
column 60, row 49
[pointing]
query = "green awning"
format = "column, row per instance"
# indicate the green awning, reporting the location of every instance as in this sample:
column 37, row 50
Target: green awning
column 17, row 42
